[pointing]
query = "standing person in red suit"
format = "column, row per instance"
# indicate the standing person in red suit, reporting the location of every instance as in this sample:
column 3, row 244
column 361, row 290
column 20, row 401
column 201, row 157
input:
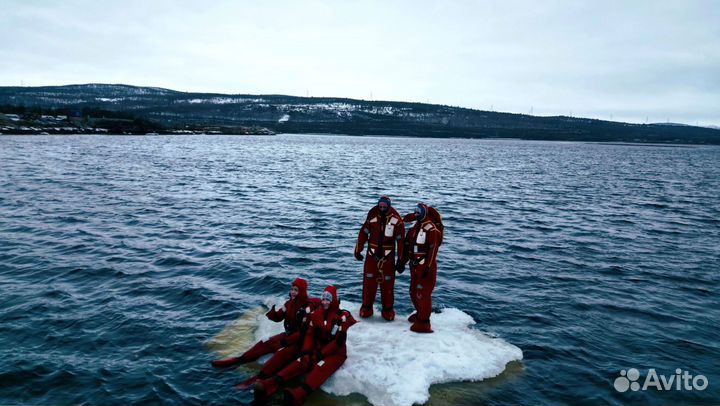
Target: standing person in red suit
column 421, row 248
column 323, row 351
column 384, row 231
column 292, row 314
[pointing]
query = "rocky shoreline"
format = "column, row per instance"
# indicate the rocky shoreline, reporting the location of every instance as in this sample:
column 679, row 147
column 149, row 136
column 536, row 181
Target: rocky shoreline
column 28, row 124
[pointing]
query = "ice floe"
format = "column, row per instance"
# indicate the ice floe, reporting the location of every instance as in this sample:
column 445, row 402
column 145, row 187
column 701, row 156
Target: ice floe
column 391, row 365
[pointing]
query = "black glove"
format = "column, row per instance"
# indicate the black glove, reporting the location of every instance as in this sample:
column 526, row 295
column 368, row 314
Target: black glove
column 319, row 356
column 399, row 267
column 359, row 256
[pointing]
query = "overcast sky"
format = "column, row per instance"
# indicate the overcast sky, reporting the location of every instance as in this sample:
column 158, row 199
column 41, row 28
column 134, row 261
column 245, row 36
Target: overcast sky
column 621, row 60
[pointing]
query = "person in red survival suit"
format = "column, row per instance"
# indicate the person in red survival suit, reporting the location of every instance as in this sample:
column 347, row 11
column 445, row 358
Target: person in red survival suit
column 293, row 315
column 323, row 351
column 421, row 248
column 383, row 230
column 291, row 349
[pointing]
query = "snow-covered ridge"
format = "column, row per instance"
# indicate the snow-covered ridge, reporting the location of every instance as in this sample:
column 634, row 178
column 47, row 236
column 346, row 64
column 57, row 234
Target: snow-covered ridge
column 108, row 99
column 338, row 108
column 220, row 100
column 341, row 115
column 135, row 98
column 124, row 89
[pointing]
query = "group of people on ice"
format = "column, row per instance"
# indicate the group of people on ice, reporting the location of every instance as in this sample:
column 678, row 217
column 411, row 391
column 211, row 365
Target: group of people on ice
column 390, row 249
column 314, row 340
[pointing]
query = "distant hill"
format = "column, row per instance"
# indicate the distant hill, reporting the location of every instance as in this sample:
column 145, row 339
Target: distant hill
column 181, row 110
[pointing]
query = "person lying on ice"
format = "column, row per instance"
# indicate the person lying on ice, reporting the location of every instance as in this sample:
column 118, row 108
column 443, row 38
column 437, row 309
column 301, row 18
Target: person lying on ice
column 383, row 230
column 293, row 314
column 323, row 352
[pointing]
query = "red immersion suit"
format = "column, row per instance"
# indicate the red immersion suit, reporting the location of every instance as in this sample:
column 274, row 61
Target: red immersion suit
column 384, row 233
column 293, row 315
column 323, row 352
column 422, row 243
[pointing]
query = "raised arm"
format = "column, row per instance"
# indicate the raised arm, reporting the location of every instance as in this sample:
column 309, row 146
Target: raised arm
column 277, row 315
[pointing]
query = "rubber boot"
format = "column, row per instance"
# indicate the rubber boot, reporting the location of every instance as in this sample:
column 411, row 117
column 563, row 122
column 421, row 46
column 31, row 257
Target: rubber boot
column 294, row 396
column 421, row 327
column 264, row 388
column 388, row 314
column 227, row 362
column 366, row 311
column 412, row 318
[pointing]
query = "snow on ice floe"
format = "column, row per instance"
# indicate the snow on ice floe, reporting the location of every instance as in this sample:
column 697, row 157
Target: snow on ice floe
column 391, row 365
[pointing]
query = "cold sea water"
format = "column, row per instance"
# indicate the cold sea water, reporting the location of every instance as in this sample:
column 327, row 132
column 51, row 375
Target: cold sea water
column 128, row 263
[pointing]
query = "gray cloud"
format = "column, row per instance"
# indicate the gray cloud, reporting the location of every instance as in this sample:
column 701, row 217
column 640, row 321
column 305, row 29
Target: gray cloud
column 630, row 60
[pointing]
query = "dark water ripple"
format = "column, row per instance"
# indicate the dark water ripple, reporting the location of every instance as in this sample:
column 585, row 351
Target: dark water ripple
column 121, row 256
